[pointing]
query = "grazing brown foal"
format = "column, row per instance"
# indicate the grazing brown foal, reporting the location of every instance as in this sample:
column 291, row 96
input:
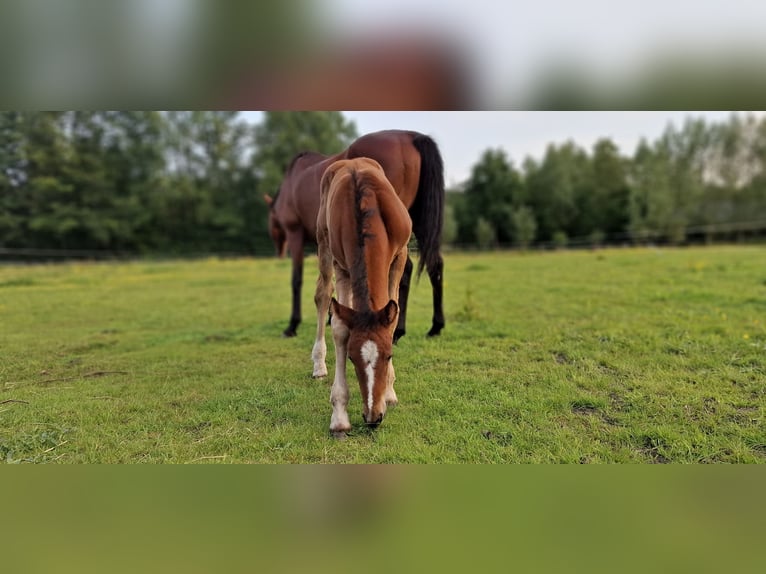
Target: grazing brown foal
column 362, row 232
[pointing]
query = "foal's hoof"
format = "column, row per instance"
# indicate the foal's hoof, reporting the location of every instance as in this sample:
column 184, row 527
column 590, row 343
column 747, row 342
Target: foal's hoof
column 339, row 434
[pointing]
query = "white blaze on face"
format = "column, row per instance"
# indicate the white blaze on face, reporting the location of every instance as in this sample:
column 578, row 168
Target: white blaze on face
column 370, row 356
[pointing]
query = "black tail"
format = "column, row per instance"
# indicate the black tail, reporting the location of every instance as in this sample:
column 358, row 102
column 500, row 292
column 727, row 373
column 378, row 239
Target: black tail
column 427, row 212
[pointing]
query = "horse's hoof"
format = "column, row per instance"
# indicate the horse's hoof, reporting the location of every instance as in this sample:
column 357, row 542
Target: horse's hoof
column 339, row 434
column 319, row 375
column 398, row 334
column 287, row 333
column 434, row 332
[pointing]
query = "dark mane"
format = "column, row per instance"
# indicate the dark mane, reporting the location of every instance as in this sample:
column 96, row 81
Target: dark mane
column 359, row 286
column 298, row 156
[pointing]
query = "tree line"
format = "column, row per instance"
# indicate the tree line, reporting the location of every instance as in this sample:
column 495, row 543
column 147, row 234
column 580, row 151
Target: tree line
column 193, row 183
column 150, row 182
column 701, row 181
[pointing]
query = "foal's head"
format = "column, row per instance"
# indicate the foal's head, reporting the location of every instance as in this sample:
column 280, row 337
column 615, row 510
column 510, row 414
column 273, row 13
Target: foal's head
column 370, row 345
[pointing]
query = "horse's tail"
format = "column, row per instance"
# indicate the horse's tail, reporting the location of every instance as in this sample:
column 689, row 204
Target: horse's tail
column 427, row 211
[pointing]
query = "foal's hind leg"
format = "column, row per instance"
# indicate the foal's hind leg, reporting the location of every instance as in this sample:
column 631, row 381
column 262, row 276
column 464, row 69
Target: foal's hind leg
column 322, row 301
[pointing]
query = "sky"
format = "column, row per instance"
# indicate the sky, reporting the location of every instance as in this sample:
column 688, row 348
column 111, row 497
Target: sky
column 463, row 136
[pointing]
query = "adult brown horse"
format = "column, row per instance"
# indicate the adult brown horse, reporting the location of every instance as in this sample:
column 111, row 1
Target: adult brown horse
column 362, row 232
column 413, row 165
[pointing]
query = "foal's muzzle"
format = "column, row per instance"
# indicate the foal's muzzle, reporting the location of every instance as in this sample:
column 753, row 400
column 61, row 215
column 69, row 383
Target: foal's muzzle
column 373, row 423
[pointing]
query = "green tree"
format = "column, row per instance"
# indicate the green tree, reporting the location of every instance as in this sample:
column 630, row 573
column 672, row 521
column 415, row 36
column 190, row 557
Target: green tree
column 449, row 230
column 49, row 215
column 554, row 186
column 733, row 164
column 87, row 175
column 12, row 205
column 134, row 155
column 560, row 240
column 608, row 208
column 688, row 149
column 752, row 198
column 485, row 234
column 208, row 196
column 650, row 204
column 524, row 226
column 494, row 189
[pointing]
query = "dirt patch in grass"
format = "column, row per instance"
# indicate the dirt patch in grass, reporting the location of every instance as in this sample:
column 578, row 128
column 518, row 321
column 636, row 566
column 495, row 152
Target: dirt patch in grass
column 501, row 438
column 759, row 449
column 652, row 447
column 584, row 409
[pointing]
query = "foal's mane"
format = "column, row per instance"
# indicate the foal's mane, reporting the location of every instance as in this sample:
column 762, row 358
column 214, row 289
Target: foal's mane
column 298, row 156
column 364, row 186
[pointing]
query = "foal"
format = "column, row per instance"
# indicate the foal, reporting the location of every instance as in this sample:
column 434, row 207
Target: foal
column 362, row 232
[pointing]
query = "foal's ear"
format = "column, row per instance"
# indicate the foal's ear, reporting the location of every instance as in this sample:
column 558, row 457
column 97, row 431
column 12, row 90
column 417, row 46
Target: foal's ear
column 345, row 314
column 387, row 315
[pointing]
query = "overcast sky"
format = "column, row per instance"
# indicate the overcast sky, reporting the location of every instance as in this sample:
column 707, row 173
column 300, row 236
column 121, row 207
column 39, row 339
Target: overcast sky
column 509, row 43
column 463, row 136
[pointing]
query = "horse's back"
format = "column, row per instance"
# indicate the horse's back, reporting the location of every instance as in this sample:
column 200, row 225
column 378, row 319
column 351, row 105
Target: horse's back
column 392, row 149
column 400, row 160
column 301, row 190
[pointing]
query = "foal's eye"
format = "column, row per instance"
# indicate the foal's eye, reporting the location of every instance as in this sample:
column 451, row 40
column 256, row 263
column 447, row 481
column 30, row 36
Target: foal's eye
column 389, row 357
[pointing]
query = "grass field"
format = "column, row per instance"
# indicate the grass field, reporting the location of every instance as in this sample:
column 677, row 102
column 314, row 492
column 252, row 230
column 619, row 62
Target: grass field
column 632, row 355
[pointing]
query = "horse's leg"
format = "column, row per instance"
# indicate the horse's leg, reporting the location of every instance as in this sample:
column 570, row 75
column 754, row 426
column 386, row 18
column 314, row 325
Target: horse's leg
column 339, row 423
column 295, row 243
column 391, row 398
column 395, row 278
column 322, row 301
column 435, row 274
column 343, row 287
column 404, row 293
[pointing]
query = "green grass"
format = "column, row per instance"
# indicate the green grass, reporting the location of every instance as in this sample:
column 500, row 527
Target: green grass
column 632, row 355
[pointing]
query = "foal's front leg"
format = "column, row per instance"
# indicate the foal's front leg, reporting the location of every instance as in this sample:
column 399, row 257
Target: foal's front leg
column 395, row 275
column 339, row 423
